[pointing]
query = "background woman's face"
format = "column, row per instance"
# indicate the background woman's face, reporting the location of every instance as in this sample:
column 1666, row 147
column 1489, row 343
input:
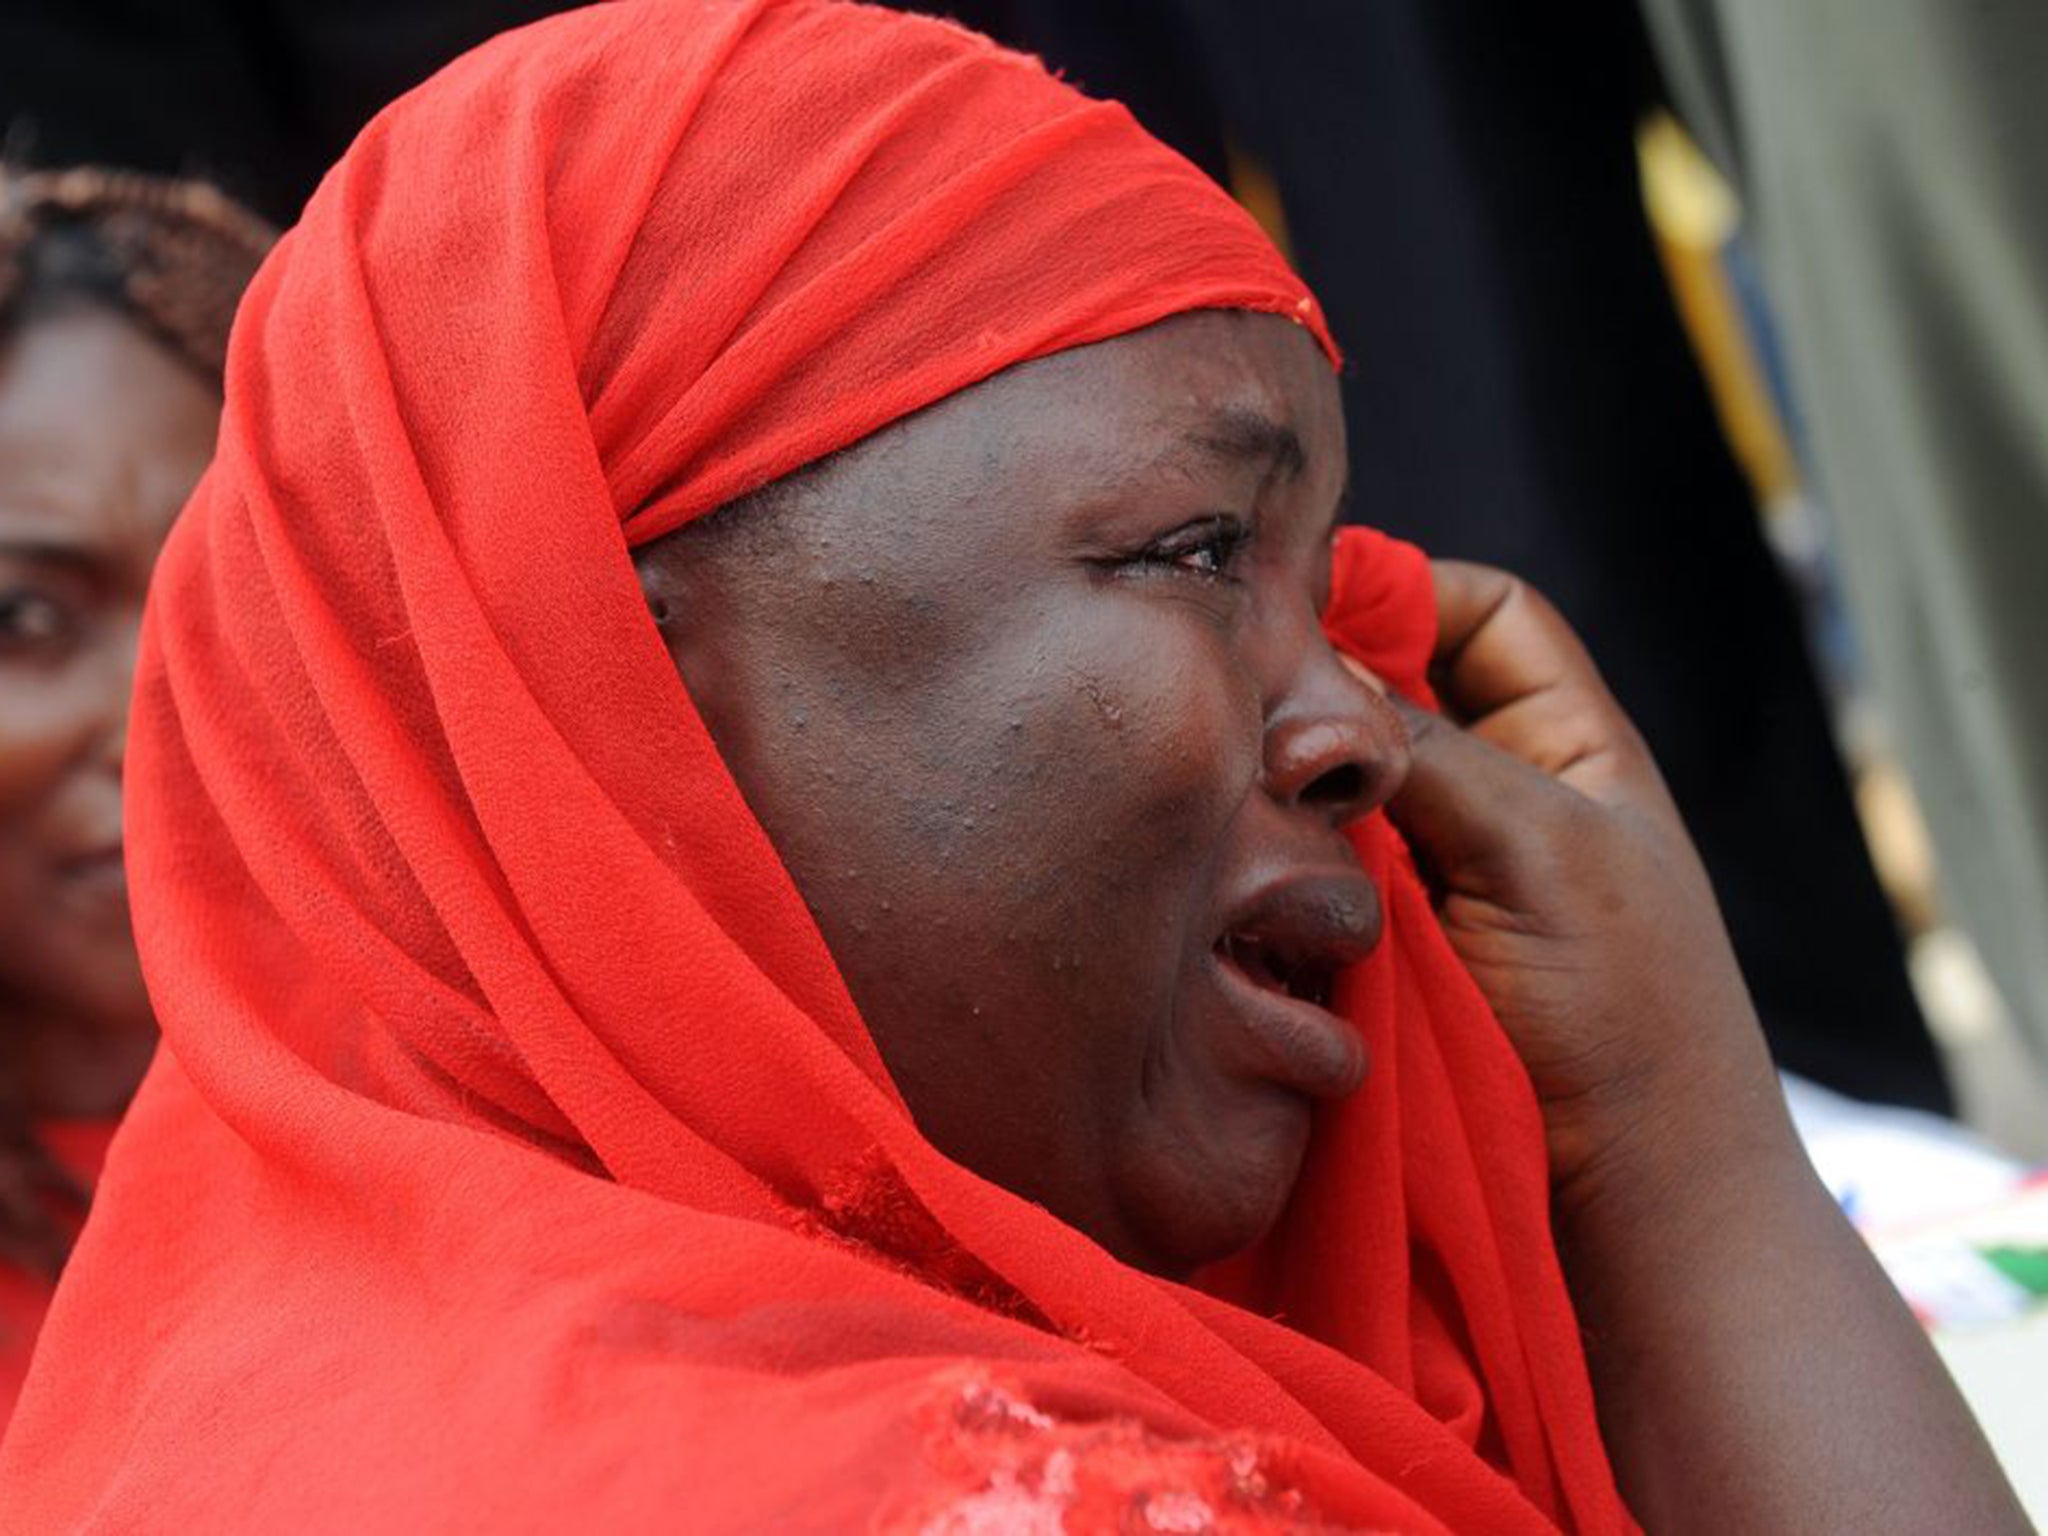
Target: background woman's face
column 1031, row 694
column 102, row 436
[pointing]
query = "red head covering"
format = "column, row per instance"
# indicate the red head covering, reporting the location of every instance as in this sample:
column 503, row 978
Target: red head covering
column 518, row 1159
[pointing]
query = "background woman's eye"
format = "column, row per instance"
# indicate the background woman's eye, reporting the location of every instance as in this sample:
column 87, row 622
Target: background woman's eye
column 32, row 622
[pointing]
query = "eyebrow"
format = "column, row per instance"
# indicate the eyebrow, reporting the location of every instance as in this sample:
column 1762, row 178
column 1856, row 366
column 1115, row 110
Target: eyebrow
column 1242, row 436
column 49, row 551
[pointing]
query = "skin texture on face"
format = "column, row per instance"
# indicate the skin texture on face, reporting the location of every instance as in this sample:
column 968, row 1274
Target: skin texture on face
column 1030, row 693
column 103, row 433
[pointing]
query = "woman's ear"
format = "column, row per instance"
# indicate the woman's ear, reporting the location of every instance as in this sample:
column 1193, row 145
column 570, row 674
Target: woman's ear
column 728, row 567
column 658, row 584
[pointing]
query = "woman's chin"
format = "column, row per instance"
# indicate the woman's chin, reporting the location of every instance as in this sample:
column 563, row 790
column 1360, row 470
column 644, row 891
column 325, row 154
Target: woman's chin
column 1211, row 1200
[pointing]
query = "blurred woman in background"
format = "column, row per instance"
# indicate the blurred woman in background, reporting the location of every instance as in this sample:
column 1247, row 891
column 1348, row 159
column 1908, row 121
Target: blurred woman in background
column 115, row 295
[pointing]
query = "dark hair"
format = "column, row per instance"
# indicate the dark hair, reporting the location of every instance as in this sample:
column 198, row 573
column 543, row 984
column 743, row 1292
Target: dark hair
column 171, row 256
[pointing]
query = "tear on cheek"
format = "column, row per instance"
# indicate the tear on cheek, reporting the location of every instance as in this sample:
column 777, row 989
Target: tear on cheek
column 1109, row 709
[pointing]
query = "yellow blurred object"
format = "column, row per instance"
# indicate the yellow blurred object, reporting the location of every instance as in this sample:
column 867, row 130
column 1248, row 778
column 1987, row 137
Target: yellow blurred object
column 1687, row 199
column 1693, row 213
column 1253, row 186
column 1899, row 845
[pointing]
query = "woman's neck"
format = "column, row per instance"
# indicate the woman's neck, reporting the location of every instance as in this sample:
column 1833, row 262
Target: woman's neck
column 58, row 1067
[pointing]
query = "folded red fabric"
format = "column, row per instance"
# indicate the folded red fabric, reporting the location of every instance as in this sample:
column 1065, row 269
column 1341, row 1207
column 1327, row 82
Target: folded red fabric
column 77, row 1148
column 518, row 1159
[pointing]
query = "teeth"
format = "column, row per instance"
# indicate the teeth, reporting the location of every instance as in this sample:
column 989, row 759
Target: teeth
column 1310, row 981
column 1313, row 985
column 1256, row 962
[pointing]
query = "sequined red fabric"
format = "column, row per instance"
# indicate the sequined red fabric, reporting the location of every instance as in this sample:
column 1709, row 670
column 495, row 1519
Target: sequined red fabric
column 994, row 1464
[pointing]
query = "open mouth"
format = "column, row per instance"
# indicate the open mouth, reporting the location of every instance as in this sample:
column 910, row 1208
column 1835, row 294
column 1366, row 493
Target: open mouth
column 1271, row 967
column 1278, row 961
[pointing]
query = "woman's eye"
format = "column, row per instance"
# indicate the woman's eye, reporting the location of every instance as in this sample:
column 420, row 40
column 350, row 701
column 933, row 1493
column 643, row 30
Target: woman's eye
column 32, row 621
column 1208, row 549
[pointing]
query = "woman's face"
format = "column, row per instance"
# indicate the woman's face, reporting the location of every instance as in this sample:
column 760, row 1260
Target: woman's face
column 102, row 435
column 1031, row 694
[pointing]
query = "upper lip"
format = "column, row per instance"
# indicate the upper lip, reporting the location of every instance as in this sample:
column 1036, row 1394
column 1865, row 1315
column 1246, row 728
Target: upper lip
column 1295, row 934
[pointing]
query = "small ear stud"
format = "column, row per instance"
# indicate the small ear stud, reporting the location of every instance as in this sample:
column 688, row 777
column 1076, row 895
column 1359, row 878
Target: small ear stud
column 659, row 608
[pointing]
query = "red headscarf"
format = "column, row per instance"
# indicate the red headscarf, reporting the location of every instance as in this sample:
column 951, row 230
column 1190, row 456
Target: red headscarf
column 518, row 1159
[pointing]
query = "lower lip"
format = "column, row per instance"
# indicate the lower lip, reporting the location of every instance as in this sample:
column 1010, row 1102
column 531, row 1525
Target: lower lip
column 1295, row 1043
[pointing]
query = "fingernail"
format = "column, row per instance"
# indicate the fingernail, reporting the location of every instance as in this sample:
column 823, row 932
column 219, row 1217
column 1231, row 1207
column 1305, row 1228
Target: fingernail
column 1364, row 674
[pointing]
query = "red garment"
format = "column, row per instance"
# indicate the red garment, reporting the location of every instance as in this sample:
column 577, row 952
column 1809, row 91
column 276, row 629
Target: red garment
column 518, row 1159
column 78, row 1147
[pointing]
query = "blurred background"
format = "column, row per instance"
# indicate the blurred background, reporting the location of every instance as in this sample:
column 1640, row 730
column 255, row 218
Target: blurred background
column 1723, row 321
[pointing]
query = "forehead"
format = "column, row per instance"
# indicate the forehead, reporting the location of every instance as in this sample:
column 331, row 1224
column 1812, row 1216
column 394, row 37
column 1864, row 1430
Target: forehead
column 102, row 432
column 1214, row 375
column 1186, row 396
column 1143, row 423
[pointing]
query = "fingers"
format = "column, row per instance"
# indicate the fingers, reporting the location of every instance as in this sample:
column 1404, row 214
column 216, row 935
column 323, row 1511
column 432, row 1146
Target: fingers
column 1509, row 665
column 1499, row 640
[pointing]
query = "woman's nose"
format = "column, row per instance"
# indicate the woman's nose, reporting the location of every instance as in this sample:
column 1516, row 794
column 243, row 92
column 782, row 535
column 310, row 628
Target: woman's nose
column 1334, row 746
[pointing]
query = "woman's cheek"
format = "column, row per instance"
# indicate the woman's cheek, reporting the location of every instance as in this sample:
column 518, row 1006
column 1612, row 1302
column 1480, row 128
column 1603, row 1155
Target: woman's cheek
column 1127, row 782
column 1088, row 771
column 42, row 729
column 1182, row 731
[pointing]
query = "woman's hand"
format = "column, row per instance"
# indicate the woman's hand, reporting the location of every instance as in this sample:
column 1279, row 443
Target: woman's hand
column 1569, row 887
column 1754, row 1369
